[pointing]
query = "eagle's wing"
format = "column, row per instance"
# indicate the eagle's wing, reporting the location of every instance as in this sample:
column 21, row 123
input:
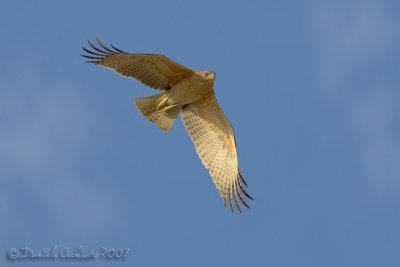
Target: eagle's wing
column 155, row 71
column 213, row 137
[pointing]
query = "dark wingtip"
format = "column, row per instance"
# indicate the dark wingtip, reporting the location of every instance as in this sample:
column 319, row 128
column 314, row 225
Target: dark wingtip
column 241, row 197
column 107, row 50
column 91, row 44
column 92, row 57
column 225, row 202
column 235, row 195
column 231, row 200
column 101, row 53
column 119, row 50
column 242, row 178
column 91, row 52
column 244, row 190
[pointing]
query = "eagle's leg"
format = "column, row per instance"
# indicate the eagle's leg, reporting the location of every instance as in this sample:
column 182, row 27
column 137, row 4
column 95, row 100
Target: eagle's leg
column 155, row 109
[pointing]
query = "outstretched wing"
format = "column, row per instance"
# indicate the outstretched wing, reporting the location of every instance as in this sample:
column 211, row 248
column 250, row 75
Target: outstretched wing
column 213, row 137
column 155, row 71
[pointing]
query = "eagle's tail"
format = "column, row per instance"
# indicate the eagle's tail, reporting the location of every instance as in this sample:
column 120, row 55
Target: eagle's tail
column 155, row 109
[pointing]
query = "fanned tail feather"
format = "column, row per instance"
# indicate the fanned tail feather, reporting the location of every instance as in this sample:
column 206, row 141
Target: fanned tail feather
column 155, row 110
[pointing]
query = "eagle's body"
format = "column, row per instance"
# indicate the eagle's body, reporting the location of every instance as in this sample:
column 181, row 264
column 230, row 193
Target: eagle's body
column 190, row 89
column 191, row 94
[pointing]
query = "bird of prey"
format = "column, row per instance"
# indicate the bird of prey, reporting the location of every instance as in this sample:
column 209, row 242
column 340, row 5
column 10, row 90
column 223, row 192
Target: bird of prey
column 191, row 94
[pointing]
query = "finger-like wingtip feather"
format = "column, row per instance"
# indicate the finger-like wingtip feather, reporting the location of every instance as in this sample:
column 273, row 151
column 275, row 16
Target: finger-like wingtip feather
column 92, row 45
column 244, row 190
column 109, row 51
column 242, row 178
column 230, row 200
column 118, row 50
column 92, row 57
column 225, row 196
column 101, row 53
column 241, row 197
column 235, row 196
column 91, row 52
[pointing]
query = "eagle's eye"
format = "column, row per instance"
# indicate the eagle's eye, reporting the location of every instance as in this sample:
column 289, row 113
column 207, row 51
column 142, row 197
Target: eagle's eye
column 207, row 73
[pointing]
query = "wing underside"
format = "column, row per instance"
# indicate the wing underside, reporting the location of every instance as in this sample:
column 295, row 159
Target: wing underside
column 214, row 141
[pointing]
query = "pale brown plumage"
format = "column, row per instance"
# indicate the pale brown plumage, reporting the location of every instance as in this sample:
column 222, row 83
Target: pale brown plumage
column 213, row 137
column 192, row 94
column 155, row 71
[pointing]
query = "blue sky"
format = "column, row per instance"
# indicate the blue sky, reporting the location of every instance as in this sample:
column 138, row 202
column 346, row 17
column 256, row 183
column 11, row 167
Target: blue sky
column 311, row 87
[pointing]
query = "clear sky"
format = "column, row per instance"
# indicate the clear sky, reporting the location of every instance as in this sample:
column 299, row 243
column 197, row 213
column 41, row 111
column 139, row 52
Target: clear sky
column 311, row 87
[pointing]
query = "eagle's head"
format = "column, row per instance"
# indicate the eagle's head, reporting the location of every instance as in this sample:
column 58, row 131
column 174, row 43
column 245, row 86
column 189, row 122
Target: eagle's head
column 208, row 75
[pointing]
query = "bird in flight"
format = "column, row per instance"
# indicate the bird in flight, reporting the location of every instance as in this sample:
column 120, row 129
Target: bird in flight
column 191, row 94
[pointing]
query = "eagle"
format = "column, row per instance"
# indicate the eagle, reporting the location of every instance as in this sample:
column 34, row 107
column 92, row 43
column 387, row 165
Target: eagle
column 189, row 93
